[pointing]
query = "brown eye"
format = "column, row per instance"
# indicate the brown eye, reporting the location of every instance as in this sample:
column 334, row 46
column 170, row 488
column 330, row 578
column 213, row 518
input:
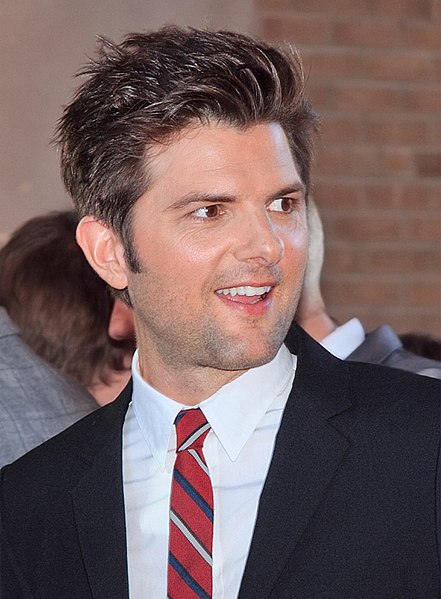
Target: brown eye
column 208, row 212
column 284, row 205
column 211, row 211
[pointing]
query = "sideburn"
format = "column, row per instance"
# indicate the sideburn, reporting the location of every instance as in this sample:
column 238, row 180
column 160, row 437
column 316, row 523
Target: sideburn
column 130, row 253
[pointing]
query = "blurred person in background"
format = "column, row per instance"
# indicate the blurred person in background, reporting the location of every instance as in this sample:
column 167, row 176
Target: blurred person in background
column 65, row 342
column 349, row 341
column 422, row 344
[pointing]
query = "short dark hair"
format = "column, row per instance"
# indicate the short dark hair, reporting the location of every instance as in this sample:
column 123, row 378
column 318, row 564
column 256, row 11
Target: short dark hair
column 61, row 306
column 422, row 344
column 151, row 86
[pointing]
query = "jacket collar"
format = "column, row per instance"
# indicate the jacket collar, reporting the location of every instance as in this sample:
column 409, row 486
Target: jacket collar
column 7, row 327
column 98, row 502
column 307, row 454
column 377, row 346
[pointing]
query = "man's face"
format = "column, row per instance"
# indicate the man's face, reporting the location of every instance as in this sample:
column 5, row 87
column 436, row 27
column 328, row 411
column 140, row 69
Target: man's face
column 221, row 240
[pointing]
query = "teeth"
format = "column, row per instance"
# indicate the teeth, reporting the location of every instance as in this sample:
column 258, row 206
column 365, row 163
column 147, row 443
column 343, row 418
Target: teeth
column 247, row 290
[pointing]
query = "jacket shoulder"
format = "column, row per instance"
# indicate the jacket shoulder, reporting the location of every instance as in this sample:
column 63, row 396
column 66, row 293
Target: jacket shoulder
column 60, row 460
column 396, row 405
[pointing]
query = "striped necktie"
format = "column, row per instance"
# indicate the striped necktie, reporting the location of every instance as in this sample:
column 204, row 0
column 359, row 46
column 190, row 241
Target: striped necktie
column 191, row 512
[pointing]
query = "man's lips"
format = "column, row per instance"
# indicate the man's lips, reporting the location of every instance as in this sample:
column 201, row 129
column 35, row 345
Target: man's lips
column 245, row 294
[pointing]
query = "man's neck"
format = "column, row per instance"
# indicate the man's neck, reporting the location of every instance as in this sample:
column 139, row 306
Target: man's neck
column 104, row 393
column 187, row 386
column 318, row 324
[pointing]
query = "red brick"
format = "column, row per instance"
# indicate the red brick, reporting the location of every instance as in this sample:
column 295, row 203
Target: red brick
column 435, row 131
column 368, row 33
column 343, row 159
column 361, row 292
column 420, row 195
column 321, row 94
column 397, row 161
column 382, row 195
column 436, row 199
column 426, row 227
column 367, row 97
column 426, row 99
column 436, row 64
column 330, row 62
column 423, row 34
column 297, row 29
column 395, row 129
column 399, row 195
column 426, row 293
column 396, row 66
column 401, row 261
column 401, row 8
column 351, row 6
column 428, row 164
column 330, row 195
column 365, row 227
column 340, row 259
column 341, row 127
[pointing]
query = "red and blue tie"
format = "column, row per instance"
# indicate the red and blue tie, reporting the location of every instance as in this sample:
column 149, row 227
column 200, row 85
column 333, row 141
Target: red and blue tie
column 191, row 512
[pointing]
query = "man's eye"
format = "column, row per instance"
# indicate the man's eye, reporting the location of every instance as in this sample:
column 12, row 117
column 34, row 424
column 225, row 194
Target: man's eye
column 285, row 205
column 208, row 212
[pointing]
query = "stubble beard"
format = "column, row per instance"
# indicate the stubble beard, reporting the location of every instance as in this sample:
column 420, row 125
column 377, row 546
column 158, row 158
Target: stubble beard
column 185, row 344
column 232, row 353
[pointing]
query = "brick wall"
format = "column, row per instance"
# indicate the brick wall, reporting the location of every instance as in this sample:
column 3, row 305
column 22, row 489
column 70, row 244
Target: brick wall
column 374, row 75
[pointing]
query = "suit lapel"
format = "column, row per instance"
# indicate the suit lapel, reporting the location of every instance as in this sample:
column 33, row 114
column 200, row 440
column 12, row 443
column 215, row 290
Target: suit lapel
column 98, row 505
column 307, row 453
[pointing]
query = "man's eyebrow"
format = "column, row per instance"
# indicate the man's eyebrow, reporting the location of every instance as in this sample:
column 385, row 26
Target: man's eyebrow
column 218, row 198
column 200, row 198
column 296, row 187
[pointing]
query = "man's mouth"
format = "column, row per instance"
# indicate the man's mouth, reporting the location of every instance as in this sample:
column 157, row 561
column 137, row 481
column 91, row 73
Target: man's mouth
column 246, row 294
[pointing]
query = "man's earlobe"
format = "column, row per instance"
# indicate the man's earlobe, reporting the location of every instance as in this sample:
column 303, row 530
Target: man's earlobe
column 104, row 251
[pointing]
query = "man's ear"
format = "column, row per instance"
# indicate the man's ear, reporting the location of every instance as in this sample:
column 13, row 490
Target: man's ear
column 104, row 251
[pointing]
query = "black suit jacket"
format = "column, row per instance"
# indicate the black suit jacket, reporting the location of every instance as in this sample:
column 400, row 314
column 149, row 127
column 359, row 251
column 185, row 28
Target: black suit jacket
column 349, row 508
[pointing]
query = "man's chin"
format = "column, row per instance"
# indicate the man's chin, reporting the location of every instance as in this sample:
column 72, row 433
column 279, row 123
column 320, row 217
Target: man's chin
column 248, row 358
column 239, row 350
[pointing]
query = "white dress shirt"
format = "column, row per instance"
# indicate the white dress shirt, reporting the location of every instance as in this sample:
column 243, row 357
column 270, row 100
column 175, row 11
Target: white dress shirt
column 244, row 416
column 345, row 339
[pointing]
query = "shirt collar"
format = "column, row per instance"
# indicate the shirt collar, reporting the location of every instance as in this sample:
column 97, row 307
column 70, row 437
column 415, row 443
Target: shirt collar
column 233, row 412
column 345, row 339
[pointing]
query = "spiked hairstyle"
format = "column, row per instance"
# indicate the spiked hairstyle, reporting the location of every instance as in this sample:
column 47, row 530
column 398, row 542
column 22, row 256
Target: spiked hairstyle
column 151, row 86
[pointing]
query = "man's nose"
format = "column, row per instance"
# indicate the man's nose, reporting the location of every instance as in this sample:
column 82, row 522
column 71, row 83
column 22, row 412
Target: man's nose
column 258, row 240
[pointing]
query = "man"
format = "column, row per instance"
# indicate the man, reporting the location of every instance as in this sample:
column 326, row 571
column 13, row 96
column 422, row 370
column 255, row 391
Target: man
column 36, row 400
column 349, row 341
column 214, row 474
column 55, row 312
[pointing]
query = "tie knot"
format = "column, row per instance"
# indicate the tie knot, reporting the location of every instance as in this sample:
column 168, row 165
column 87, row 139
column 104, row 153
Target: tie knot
column 191, row 429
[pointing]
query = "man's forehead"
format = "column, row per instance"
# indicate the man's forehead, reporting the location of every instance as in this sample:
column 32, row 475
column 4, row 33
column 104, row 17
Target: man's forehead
column 214, row 150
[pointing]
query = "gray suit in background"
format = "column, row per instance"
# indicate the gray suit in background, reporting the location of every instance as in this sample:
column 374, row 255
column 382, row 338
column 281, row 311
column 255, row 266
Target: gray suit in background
column 36, row 402
column 383, row 346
